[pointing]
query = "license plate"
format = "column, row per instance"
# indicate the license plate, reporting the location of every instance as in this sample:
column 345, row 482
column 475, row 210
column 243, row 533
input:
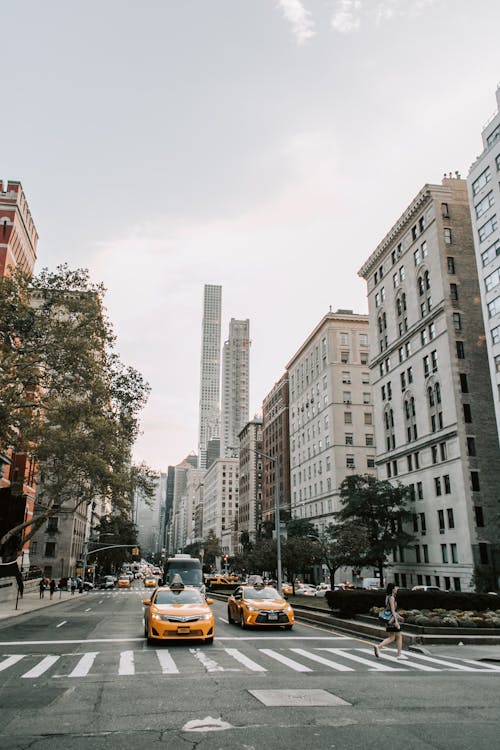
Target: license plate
column 272, row 616
column 183, row 629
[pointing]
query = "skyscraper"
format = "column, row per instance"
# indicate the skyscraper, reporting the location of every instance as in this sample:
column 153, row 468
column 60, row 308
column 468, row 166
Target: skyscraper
column 235, row 383
column 209, row 370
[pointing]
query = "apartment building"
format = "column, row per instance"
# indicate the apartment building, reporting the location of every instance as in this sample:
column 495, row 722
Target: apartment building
column 235, row 384
column 250, row 479
column 434, row 415
column 330, row 413
column 220, row 501
column 276, row 445
column 484, row 198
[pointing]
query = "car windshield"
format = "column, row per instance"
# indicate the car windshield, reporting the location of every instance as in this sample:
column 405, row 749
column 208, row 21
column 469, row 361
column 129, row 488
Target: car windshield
column 182, row 596
column 267, row 593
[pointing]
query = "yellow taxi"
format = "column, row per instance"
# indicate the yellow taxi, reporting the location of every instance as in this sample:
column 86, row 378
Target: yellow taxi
column 150, row 582
column 287, row 588
column 260, row 606
column 178, row 612
column 123, row 582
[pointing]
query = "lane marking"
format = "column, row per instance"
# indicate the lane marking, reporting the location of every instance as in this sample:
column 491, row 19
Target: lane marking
column 82, row 640
column 10, row 660
column 209, row 664
column 285, row 660
column 443, row 662
column 248, row 663
column 127, row 666
column 61, row 624
column 84, row 665
column 41, row 667
column 89, row 609
column 409, row 663
column 167, row 664
column 321, row 660
column 354, row 657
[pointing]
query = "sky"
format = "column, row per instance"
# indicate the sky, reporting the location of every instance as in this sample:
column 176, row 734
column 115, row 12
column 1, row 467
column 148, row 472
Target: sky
column 264, row 145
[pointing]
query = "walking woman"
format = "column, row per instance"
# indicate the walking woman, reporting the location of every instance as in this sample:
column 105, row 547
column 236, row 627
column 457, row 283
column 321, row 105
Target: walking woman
column 394, row 625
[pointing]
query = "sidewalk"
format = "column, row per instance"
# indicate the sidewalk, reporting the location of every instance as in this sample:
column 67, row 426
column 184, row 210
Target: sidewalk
column 31, row 602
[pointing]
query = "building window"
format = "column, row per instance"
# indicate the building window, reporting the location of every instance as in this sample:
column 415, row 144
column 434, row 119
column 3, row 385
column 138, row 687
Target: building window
column 344, row 357
column 370, row 462
column 348, row 417
column 451, row 518
column 349, row 438
column 368, row 418
column 437, row 486
column 495, row 334
column 457, row 321
column 492, row 280
column 420, row 491
column 474, row 481
column 447, row 235
column 50, row 549
column 425, row 550
column 488, row 228
column 471, row 446
column 478, row 512
column 454, row 553
column 464, row 385
column 483, row 553
column 460, row 350
column 484, row 204
column 445, row 212
column 441, row 521
column 52, row 524
column 444, row 553
column 453, row 292
column 490, row 253
column 481, row 181
column 467, row 413
column 349, row 461
column 447, row 484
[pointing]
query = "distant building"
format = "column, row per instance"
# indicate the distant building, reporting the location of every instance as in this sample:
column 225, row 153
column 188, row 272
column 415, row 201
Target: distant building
column 235, row 384
column 434, row 414
column 331, row 415
column 484, row 198
column 18, row 235
column 220, row 502
column 147, row 517
column 276, row 444
column 209, row 407
column 250, row 479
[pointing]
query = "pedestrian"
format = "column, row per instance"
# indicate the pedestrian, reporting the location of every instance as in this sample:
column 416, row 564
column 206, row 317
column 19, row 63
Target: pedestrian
column 41, row 586
column 52, row 587
column 393, row 627
column 73, row 586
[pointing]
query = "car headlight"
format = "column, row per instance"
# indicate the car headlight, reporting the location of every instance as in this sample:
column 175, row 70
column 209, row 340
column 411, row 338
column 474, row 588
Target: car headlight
column 156, row 616
column 252, row 608
column 208, row 616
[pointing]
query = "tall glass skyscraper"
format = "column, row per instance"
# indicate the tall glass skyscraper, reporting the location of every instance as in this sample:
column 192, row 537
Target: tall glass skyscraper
column 209, row 370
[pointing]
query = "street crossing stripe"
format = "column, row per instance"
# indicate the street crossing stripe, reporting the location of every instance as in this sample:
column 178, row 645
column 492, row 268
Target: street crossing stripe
column 209, row 664
column 41, row 667
column 10, row 660
column 167, row 664
column 321, row 660
column 84, row 665
column 126, row 663
column 249, row 663
column 408, row 663
column 285, row 660
column 346, row 655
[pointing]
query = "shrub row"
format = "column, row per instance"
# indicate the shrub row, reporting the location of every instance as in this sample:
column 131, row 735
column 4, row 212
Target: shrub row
column 359, row 602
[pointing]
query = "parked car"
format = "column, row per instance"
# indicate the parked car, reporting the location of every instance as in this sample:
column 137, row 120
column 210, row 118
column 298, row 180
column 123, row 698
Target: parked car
column 426, row 588
column 305, row 589
column 108, row 582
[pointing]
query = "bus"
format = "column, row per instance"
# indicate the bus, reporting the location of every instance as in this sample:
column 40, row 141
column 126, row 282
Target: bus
column 188, row 568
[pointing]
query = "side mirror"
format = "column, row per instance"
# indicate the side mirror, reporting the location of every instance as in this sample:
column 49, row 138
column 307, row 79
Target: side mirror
column 209, row 601
column 147, row 602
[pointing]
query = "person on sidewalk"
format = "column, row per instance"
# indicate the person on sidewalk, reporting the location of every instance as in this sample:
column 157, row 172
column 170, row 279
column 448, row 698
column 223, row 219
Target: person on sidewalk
column 73, row 586
column 41, row 586
column 393, row 627
column 52, row 587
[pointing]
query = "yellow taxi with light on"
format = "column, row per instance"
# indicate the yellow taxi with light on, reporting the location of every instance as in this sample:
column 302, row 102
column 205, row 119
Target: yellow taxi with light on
column 260, row 606
column 123, row 582
column 178, row 612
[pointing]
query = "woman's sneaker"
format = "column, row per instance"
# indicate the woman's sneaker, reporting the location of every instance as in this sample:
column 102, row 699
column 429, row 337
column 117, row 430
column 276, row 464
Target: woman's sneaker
column 402, row 657
column 376, row 652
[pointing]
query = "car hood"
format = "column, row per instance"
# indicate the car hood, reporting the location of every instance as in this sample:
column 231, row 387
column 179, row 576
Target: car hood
column 266, row 603
column 180, row 609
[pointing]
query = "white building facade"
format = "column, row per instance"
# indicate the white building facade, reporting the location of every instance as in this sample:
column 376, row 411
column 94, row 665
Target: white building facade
column 235, row 384
column 209, row 406
column 330, row 415
column 220, row 500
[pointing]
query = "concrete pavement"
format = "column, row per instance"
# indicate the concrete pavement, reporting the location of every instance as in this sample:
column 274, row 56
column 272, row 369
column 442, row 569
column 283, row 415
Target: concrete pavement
column 31, row 602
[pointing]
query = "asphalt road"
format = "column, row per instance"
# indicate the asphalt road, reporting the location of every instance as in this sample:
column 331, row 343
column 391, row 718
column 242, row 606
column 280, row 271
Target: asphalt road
column 80, row 675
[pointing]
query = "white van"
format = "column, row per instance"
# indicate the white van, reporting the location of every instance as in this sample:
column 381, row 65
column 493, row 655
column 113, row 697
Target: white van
column 371, row 583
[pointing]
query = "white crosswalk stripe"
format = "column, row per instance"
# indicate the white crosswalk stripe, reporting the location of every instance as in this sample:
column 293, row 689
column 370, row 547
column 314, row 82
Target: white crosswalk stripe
column 162, row 661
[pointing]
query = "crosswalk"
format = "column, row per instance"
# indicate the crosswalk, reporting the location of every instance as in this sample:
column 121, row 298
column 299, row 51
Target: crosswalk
column 189, row 661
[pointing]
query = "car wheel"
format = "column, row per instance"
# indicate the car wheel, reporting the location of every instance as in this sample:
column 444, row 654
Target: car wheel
column 210, row 640
column 145, row 630
column 288, row 627
column 242, row 621
column 229, row 617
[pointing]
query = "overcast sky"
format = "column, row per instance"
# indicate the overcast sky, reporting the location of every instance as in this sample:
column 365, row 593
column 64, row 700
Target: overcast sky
column 264, row 145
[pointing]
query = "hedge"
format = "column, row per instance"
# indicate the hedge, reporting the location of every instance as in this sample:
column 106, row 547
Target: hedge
column 359, row 602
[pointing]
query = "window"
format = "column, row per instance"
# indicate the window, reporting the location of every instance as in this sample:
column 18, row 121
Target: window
column 478, row 512
column 454, row 553
column 417, row 257
column 441, row 521
column 484, row 204
column 447, row 235
column 457, row 321
column 348, row 417
column 451, row 519
column 490, row 253
column 488, row 228
column 434, row 451
column 425, row 550
column 349, row 438
column 349, row 461
column 368, row 439
column 453, row 292
column 456, row 584
column 460, row 350
column 483, row 553
column 471, row 446
column 344, row 357
column 347, row 397
column 368, row 418
column 481, row 181
column 447, row 484
column 464, row 385
column 370, row 462
column 437, row 486
column 346, row 378
column 420, row 491
column 52, row 524
column 493, row 307
column 423, row 525
column 445, row 212
column 426, row 365
column 50, row 549
column 493, row 136
column 474, row 480
column 495, row 334
column 434, row 360
column 467, row 413
column 444, row 553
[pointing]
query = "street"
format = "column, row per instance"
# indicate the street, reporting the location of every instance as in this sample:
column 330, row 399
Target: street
column 80, row 675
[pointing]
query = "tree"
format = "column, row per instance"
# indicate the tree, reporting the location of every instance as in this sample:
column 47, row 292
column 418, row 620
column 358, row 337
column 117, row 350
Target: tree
column 113, row 529
column 300, row 527
column 342, row 544
column 298, row 555
column 379, row 508
column 67, row 401
column 212, row 548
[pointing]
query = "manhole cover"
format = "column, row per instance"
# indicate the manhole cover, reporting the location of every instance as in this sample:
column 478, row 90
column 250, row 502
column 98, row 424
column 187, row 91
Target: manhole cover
column 298, row 698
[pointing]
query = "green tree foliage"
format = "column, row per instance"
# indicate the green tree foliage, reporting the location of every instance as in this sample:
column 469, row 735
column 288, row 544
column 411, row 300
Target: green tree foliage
column 380, row 510
column 113, row 530
column 66, row 398
column 212, row 548
column 342, row 544
column 298, row 554
column 300, row 527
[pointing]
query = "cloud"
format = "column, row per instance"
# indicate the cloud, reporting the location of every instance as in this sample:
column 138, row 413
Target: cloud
column 299, row 18
column 347, row 15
